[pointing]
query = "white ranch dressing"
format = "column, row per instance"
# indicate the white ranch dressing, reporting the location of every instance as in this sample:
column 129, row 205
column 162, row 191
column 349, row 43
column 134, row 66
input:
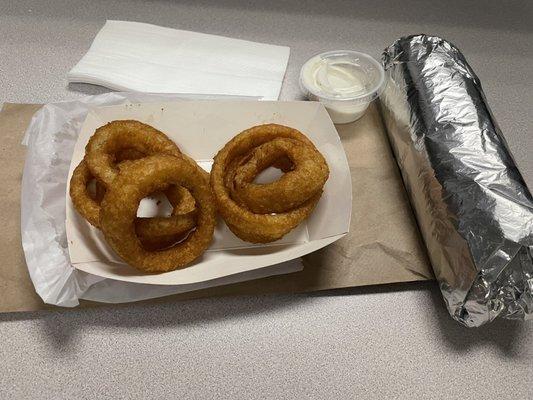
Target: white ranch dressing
column 346, row 82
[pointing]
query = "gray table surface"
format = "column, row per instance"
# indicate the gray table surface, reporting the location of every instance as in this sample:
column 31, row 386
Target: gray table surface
column 390, row 342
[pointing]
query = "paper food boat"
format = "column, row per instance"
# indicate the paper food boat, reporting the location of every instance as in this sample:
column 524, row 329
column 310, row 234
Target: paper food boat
column 200, row 129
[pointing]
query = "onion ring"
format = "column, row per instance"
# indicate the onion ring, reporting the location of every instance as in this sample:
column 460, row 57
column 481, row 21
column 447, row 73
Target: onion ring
column 100, row 152
column 121, row 156
column 247, row 225
column 139, row 179
column 155, row 232
column 290, row 190
column 87, row 205
column 158, row 233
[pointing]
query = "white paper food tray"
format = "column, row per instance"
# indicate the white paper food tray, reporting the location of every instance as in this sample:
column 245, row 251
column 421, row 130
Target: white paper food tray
column 200, row 129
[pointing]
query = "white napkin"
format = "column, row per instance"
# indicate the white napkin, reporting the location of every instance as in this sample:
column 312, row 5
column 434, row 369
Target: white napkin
column 139, row 57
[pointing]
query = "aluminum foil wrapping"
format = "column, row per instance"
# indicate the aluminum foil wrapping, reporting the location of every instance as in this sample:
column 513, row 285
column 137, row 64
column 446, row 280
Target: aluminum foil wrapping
column 473, row 208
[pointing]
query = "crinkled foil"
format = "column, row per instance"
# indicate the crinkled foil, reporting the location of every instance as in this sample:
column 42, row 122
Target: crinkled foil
column 471, row 203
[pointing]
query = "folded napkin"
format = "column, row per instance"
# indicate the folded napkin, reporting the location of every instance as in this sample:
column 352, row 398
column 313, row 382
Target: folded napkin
column 139, row 57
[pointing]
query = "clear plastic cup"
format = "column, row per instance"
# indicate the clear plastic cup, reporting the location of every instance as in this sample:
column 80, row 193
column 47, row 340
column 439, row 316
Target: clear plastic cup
column 345, row 81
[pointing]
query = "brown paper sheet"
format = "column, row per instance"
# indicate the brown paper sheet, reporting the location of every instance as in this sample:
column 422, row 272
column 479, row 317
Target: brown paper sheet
column 383, row 245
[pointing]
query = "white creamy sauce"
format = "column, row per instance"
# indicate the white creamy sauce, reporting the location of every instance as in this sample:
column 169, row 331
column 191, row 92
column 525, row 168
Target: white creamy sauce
column 341, row 81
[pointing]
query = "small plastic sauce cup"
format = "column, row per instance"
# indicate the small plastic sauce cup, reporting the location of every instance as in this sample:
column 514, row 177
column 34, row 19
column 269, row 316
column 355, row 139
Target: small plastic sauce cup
column 345, row 81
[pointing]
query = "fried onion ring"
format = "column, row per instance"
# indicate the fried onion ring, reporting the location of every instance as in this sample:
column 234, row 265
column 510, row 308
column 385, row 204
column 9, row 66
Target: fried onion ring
column 289, row 191
column 247, row 225
column 121, row 156
column 155, row 232
column 87, row 205
column 102, row 148
column 139, row 179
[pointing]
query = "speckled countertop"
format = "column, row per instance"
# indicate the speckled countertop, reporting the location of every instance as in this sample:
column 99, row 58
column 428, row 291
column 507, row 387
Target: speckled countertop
column 379, row 342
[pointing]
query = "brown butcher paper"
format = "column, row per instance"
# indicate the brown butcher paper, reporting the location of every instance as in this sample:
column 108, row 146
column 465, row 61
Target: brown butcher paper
column 383, row 245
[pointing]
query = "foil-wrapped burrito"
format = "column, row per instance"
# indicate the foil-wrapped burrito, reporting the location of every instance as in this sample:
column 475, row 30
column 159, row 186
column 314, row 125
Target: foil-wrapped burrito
column 473, row 208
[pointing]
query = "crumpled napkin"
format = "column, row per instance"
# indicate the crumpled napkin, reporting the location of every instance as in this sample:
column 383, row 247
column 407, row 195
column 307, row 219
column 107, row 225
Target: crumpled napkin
column 133, row 56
